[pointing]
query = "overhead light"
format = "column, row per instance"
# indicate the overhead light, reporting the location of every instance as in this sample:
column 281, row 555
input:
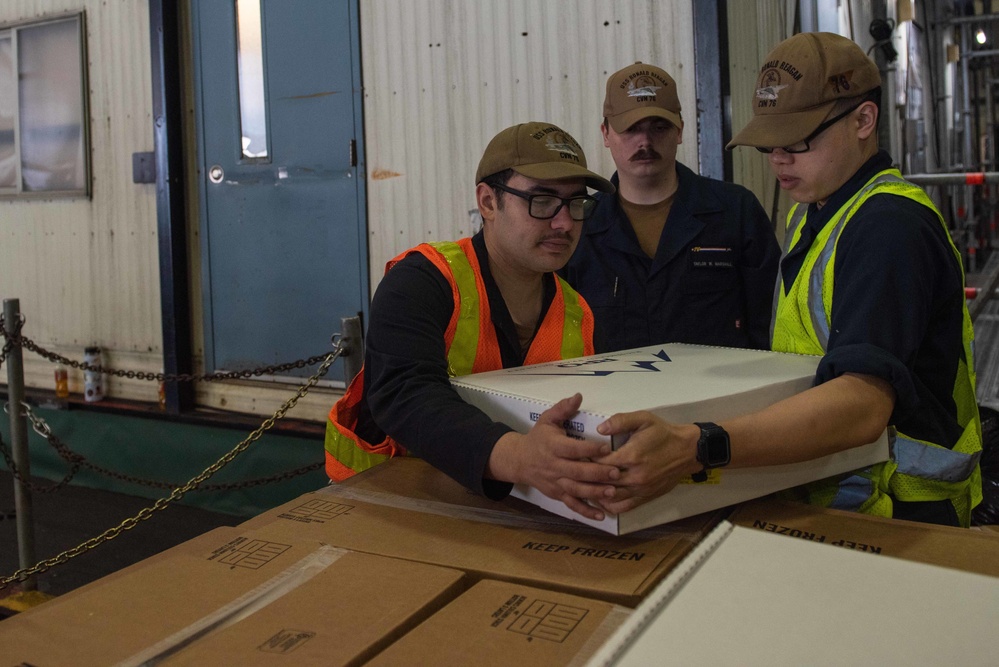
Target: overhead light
column 980, row 36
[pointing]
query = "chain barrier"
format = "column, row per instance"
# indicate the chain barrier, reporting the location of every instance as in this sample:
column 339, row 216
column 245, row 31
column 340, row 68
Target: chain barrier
column 178, row 492
column 26, row 343
column 77, row 461
column 37, row 488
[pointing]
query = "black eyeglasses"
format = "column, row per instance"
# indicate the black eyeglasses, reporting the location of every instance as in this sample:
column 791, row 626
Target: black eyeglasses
column 804, row 146
column 546, row 207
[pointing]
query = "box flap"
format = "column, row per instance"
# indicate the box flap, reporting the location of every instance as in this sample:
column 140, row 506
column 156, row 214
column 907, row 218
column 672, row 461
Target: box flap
column 744, row 597
column 407, row 509
column 960, row 548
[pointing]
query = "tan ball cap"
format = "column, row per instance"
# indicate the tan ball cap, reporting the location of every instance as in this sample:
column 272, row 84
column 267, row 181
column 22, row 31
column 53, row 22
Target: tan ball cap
column 541, row 151
column 800, row 82
column 641, row 91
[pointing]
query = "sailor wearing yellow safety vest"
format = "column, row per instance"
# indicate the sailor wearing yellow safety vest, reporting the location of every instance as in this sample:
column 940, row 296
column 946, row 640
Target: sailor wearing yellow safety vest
column 871, row 281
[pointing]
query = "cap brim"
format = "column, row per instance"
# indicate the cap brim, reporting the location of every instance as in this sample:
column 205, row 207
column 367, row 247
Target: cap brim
column 773, row 130
column 623, row 121
column 558, row 171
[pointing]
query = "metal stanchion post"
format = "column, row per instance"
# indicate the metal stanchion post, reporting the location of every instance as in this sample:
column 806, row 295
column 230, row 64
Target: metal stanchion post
column 353, row 347
column 19, row 446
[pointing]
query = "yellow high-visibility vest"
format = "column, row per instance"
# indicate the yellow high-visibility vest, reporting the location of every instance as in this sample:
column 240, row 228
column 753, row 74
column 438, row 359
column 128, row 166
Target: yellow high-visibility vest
column 918, row 470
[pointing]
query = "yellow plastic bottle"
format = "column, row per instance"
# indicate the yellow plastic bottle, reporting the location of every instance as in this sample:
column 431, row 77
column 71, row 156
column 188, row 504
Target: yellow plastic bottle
column 61, row 382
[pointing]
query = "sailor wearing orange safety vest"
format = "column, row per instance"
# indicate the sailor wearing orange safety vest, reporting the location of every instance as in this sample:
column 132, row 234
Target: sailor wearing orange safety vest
column 482, row 303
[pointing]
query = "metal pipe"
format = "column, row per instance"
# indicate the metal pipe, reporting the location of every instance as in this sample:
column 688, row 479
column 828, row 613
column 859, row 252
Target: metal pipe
column 980, row 18
column 981, row 54
column 352, row 339
column 966, row 157
column 988, row 158
column 960, row 178
column 19, row 446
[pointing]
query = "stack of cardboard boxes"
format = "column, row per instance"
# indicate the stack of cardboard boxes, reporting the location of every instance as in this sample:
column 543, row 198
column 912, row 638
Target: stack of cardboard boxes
column 401, row 565
column 339, row 575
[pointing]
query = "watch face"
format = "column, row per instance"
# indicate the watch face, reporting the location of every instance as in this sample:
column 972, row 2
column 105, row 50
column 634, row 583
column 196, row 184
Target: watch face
column 717, row 449
column 713, row 448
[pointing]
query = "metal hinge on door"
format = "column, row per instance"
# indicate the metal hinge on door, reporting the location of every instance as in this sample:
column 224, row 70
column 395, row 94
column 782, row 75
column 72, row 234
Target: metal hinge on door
column 353, row 153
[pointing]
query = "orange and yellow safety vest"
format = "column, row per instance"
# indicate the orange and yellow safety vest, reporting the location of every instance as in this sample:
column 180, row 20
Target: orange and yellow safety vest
column 472, row 347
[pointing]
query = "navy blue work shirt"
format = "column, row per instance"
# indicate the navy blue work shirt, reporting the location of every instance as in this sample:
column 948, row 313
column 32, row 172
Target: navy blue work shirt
column 711, row 281
column 898, row 301
column 408, row 392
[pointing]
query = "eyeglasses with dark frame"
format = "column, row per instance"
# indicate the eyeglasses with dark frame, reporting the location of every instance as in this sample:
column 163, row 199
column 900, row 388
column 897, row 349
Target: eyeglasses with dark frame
column 546, row 207
column 807, row 140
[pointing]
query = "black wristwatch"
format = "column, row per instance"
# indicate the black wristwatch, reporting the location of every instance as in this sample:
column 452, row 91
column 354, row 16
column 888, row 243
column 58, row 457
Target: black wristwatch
column 713, row 449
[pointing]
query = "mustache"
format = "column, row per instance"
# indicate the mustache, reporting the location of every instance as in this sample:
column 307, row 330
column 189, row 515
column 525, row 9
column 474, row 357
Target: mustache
column 646, row 154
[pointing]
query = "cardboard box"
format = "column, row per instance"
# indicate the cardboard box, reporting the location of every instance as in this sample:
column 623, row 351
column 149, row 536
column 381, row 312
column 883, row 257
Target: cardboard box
column 407, row 509
column 959, row 548
column 196, row 546
column 254, row 600
column 744, row 597
column 343, row 616
column 680, row 383
column 501, row 624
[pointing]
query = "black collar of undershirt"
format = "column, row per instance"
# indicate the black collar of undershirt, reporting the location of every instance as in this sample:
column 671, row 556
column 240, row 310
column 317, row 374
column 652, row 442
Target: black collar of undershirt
column 818, row 217
column 506, row 332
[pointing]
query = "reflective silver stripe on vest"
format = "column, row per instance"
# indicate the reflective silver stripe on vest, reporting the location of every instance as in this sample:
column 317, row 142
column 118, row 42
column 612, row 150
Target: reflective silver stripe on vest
column 798, row 214
column 852, row 493
column 816, row 306
column 820, row 322
column 918, row 459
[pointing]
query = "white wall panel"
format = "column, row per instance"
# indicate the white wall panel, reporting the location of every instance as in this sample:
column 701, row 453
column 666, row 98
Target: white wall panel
column 86, row 270
column 442, row 77
column 754, row 28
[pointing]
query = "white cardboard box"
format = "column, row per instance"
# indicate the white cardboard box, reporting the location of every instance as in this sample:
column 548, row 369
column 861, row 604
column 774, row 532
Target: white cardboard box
column 743, row 597
column 681, row 383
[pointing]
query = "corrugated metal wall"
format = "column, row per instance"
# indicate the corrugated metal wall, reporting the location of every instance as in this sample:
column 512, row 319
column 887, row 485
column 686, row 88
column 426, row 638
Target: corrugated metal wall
column 753, row 29
column 441, row 78
column 86, row 271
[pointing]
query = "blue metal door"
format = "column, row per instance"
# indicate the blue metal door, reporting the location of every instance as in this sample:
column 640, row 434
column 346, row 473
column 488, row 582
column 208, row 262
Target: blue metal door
column 284, row 256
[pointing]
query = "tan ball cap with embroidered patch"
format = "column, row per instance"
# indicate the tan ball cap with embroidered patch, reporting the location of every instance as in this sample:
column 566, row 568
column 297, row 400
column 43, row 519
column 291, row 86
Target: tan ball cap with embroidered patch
column 541, row 151
column 641, row 91
column 800, row 82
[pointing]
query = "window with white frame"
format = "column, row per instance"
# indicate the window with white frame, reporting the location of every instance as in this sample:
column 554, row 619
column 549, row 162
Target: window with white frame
column 43, row 129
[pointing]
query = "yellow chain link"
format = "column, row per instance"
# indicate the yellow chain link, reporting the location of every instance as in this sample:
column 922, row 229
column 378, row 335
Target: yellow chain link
column 178, row 493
